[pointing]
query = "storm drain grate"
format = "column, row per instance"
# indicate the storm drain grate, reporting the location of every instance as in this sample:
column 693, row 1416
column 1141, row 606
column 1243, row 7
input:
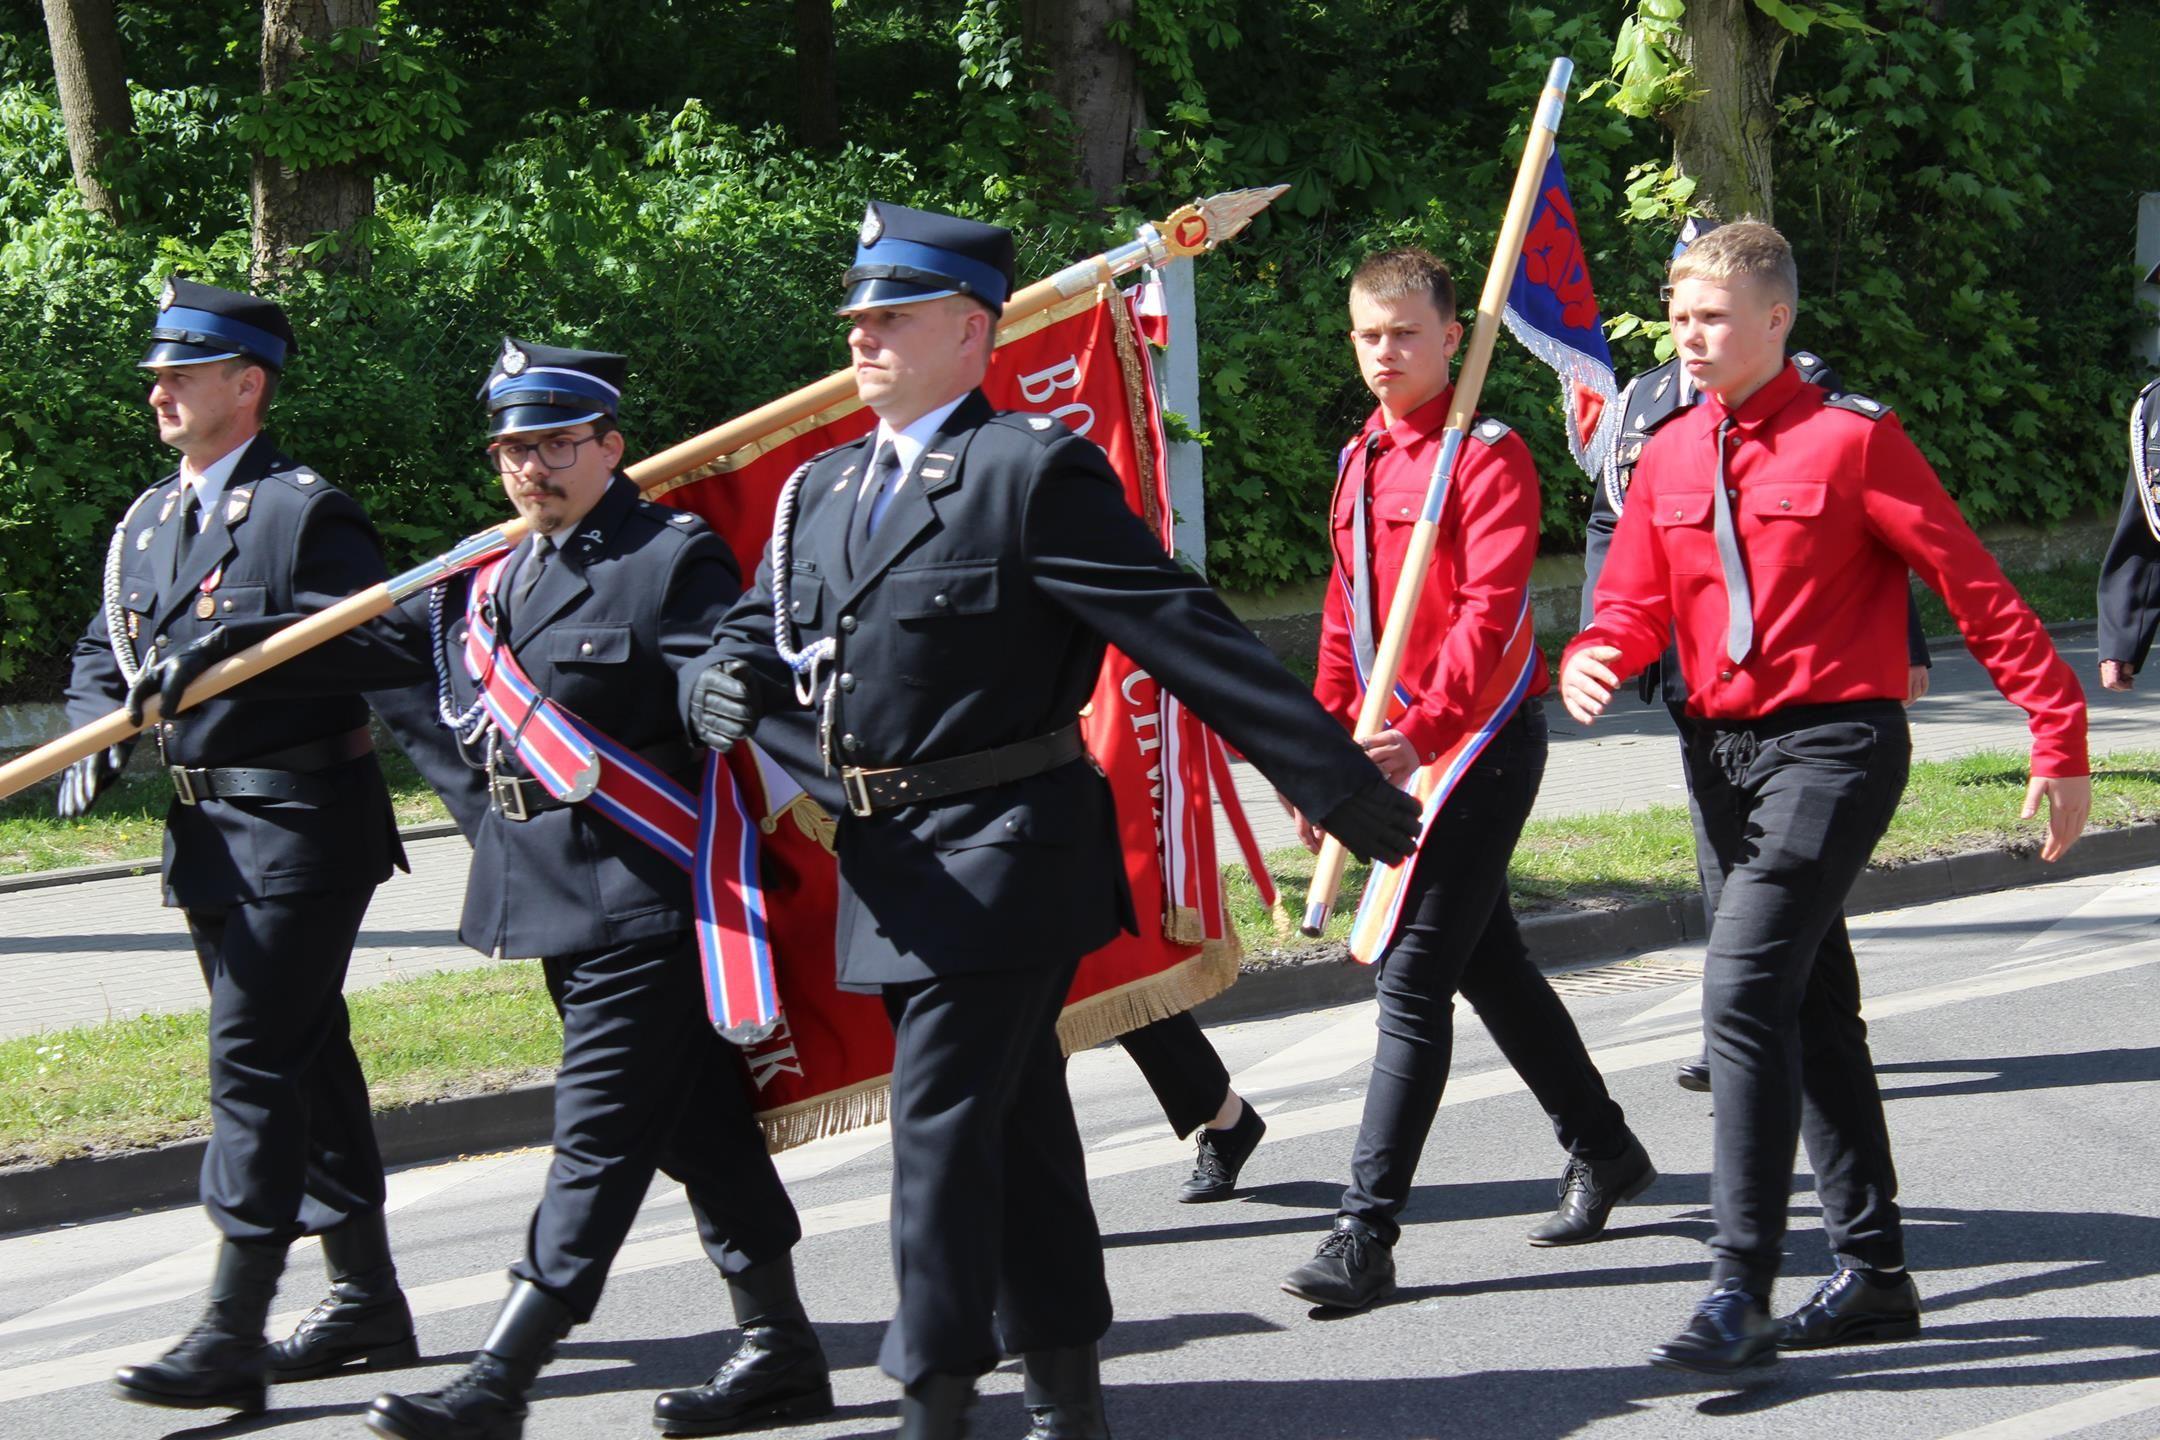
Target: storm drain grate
column 1624, row 976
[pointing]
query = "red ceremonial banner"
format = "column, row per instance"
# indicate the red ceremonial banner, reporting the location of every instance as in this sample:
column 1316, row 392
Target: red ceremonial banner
column 824, row 1069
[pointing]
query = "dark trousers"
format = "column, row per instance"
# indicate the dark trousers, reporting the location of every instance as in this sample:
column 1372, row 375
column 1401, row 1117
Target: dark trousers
column 646, row 1084
column 1459, row 936
column 1182, row 1068
column 292, row 1145
column 1792, row 806
column 990, row 1210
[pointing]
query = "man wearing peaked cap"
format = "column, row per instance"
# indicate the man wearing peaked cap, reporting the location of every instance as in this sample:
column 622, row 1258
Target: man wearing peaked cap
column 942, row 592
column 601, row 608
column 279, row 831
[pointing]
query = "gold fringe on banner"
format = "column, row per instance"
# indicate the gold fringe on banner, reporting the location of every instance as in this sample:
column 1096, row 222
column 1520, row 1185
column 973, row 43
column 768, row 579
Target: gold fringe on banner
column 1088, row 1023
column 867, row 1102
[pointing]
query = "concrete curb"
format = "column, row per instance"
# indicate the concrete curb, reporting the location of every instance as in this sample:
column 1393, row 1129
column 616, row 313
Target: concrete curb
column 73, row 1191
column 122, row 869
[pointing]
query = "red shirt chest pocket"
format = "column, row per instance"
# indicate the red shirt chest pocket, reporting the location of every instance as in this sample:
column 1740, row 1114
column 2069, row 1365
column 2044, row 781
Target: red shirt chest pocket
column 1682, row 518
column 1785, row 524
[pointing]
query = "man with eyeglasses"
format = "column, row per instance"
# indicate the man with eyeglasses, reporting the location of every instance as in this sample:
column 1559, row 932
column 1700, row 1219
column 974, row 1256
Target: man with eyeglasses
column 597, row 611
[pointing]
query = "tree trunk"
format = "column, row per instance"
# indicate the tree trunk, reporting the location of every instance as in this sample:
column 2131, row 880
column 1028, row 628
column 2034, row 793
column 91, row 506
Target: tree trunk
column 1722, row 138
column 816, row 76
column 293, row 207
column 1093, row 77
column 93, row 92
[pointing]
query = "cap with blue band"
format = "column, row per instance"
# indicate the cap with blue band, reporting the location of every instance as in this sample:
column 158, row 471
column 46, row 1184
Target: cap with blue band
column 545, row 387
column 199, row 323
column 904, row 256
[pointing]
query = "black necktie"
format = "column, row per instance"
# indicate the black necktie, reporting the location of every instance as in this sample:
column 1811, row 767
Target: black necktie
column 881, row 473
column 529, row 575
column 183, row 534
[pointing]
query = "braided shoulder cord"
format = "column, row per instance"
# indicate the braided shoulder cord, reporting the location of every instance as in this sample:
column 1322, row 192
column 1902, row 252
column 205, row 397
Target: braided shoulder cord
column 805, row 662
column 123, row 645
column 466, row 726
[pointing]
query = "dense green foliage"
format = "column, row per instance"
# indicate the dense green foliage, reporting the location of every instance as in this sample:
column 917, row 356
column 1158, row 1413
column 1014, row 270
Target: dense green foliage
column 1961, row 193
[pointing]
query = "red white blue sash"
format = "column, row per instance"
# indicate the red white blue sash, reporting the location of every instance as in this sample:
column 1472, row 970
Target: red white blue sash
column 1380, row 910
column 709, row 835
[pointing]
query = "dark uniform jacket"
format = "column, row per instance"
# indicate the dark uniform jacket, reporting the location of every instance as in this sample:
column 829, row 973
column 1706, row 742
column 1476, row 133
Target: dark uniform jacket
column 2130, row 573
column 1647, row 402
column 977, row 617
column 632, row 598
column 282, row 543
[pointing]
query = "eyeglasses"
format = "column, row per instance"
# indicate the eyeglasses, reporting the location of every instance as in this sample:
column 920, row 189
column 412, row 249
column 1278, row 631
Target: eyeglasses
column 556, row 452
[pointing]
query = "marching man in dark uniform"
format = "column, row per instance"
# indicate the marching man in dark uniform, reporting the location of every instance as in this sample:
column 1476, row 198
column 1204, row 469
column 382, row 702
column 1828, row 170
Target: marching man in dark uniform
column 2130, row 573
column 278, row 834
column 939, row 594
column 593, row 619
column 1457, row 933
column 1645, row 403
column 1770, row 530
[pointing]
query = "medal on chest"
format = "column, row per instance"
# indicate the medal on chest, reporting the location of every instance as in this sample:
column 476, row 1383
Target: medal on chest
column 206, row 603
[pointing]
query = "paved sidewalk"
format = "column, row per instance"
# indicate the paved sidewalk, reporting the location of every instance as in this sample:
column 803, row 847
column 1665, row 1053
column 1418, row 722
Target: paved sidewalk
column 80, row 954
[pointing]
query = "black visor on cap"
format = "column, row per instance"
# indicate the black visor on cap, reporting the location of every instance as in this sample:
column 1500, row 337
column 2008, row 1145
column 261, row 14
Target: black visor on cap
column 182, row 352
column 517, row 419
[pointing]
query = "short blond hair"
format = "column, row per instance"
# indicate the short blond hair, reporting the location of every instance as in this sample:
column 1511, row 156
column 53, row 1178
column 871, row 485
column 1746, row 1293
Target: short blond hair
column 1743, row 250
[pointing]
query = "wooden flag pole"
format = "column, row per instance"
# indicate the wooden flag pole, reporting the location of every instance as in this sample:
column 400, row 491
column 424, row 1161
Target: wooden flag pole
column 1387, row 663
column 1190, row 230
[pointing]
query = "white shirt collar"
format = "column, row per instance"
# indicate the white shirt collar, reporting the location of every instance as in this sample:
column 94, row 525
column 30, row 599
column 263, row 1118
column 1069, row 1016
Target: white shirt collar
column 908, row 444
column 209, row 483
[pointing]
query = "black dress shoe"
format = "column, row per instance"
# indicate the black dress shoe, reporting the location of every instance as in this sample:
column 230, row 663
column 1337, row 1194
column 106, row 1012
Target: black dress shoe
column 1731, row 1332
column 1352, row 1268
column 1221, row 1155
column 1588, row 1192
column 363, row 1324
column 218, row 1365
column 1693, row 1076
column 1850, row 1309
column 777, row 1373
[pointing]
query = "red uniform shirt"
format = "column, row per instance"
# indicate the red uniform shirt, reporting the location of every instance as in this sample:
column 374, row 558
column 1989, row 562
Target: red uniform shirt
column 1830, row 508
column 1480, row 570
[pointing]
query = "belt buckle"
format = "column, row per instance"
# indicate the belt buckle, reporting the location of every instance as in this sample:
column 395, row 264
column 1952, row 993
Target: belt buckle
column 508, row 796
column 183, row 785
column 855, row 785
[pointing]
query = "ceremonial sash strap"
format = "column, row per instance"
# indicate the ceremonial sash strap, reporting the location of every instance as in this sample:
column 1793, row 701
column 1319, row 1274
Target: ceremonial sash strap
column 708, row 835
column 1379, row 912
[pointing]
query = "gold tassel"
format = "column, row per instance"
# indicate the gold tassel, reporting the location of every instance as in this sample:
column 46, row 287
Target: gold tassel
column 868, row 1102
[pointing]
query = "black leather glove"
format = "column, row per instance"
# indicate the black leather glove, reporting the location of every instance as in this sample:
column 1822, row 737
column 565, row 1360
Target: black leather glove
column 171, row 676
column 722, row 709
column 85, row 780
column 1378, row 823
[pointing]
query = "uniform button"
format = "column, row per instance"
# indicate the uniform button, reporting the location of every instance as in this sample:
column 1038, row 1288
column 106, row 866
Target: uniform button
column 228, row 604
column 850, row 744
column 1676, row 514
column 1732, row 494
column 1724, row 674
column 1012, row 823
column 1784, row 504
column 847, row 681
column 847, row 623
column 941, row 600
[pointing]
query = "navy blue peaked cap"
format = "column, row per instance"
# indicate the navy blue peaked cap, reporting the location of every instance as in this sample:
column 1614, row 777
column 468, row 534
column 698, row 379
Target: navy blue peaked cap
column 198, row 323
column 544, row 387
column 1691, row 230
column 903, row 255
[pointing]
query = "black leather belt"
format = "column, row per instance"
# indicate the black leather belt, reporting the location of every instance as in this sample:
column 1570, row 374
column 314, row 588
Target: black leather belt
column 279, row 775
column 520, row 797
column 869, row 791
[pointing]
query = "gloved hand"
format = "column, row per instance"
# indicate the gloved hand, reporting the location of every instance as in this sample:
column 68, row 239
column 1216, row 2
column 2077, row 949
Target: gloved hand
column 171, row 676
column 1378, row 823
column 722, row 709
column 85, row 780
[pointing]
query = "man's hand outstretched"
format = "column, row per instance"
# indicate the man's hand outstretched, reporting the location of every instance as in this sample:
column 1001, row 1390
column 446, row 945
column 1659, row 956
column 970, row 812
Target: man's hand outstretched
column 1587, row 681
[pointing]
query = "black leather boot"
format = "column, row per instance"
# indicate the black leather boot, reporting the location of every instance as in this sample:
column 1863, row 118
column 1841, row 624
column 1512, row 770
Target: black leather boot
column 935, row 1408
column 1218, row 1157
column 218, row 1365
column 1064, row 1394
column 1588, row 1192
column 777, row 1373
column 487, row 1402
column 363, row 1323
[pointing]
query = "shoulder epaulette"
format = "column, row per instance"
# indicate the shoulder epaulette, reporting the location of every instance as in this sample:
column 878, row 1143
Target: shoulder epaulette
column 1491, row 431
column 299, row 477
column 668, row 517
column 1645, row 405
column 2151, row 390
column 1043, row 428
column 1858, row 404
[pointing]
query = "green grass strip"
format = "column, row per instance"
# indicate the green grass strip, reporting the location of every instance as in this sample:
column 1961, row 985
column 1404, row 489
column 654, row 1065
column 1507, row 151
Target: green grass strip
column 133, row 1083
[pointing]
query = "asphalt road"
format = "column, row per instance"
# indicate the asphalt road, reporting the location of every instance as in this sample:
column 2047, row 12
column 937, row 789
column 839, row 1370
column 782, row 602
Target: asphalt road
column 2017, row 1039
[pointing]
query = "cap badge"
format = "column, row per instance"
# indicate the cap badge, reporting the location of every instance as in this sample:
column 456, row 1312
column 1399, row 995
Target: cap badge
column 873, row 226
column 514, row 360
